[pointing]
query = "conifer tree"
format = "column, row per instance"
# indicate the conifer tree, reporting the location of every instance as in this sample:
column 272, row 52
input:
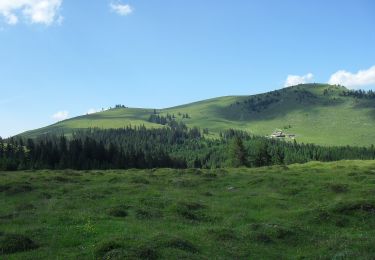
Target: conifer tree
column 237, row 152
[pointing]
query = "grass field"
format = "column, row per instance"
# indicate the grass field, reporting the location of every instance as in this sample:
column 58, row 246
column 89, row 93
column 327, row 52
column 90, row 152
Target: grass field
column 317, row 118
column 310, row 211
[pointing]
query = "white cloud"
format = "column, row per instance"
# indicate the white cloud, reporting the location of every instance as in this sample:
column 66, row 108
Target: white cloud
column 60, row 115
column 35, row 11
column 293, row 80
column 121, row 9
column 354, row 80
column 10, row 18
column 93, row 111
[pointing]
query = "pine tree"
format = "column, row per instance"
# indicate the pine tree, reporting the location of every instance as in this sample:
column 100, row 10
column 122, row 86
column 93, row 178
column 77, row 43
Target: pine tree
column 237, row 152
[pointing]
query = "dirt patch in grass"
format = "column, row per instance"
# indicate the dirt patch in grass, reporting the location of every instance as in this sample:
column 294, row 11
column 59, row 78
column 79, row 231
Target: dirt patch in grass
column 12, row 243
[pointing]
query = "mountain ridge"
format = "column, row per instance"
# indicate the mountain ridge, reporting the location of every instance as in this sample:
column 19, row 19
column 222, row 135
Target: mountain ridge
column 315, row 113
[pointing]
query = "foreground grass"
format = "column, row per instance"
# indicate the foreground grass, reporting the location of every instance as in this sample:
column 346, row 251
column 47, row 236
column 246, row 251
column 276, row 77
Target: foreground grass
column 315, row 210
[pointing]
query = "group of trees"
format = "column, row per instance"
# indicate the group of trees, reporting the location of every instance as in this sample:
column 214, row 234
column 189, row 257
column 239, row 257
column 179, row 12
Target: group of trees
column 359, row 94
column 161, row 120
column 165, row 120
column 120, row 106
column 258, row 103
column 261, row 102
column 174, row 147
column 97, row 149
column 302, row 95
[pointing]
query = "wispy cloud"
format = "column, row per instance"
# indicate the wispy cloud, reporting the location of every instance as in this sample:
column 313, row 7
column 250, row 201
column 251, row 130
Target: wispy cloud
column 60, row 115
column 362, row 78
column 293, row 80
column 35, row 11
column 121, row 9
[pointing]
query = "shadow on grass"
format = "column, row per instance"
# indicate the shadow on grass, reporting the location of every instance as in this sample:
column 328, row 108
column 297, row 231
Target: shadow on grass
column 13, row 243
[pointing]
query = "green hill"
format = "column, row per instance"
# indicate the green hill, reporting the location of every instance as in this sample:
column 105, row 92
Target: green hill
column 314, row 113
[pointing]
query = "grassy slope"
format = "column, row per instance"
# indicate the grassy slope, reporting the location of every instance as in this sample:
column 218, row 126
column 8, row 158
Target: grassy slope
column 312, row 211
column 326, row 120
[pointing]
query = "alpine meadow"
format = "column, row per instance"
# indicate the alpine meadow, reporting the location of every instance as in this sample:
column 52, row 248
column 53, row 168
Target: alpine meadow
column 200, row 130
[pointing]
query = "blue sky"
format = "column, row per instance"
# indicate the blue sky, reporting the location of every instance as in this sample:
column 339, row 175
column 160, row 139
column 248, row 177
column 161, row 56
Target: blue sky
column 70, row 56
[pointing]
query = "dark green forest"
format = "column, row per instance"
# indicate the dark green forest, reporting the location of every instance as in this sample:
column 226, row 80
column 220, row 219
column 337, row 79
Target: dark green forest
column 359, row 94
column 176, row 146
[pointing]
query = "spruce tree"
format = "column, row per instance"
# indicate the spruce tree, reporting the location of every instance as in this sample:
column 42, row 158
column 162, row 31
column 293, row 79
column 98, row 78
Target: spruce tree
column 237, row 152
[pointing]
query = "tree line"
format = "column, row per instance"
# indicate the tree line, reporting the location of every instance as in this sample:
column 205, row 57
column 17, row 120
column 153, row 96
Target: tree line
column 359, row 94
column 176, row 146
